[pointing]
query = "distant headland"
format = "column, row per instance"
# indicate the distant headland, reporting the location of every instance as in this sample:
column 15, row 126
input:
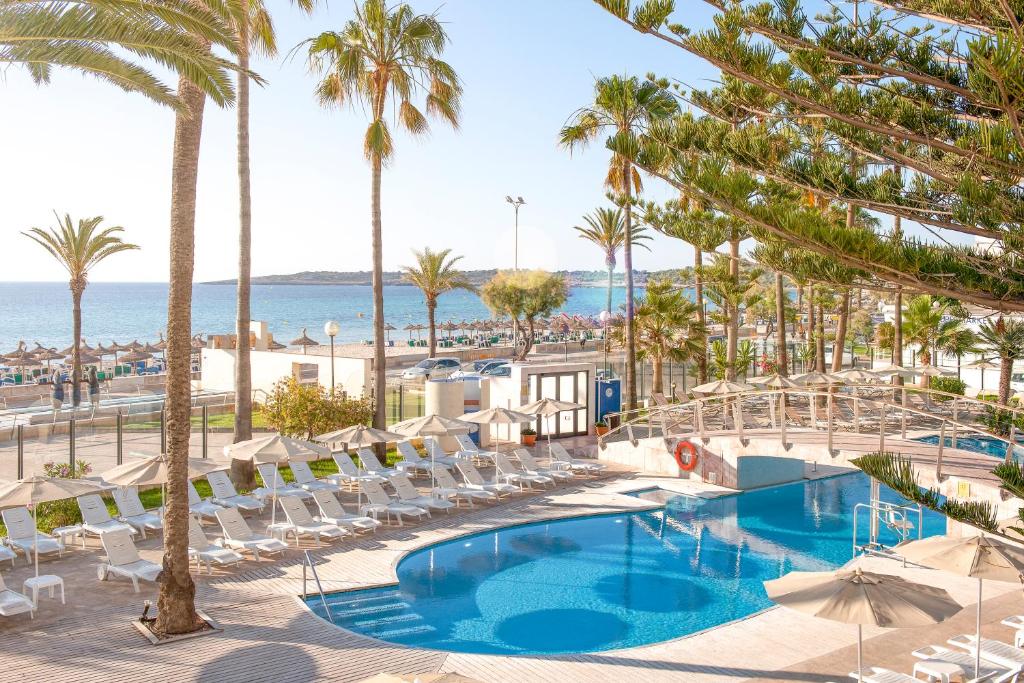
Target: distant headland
column 577, row 278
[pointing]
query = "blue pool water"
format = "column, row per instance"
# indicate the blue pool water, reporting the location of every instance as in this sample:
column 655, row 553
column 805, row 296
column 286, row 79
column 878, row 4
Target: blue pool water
column 977, row 443
column 614, row 581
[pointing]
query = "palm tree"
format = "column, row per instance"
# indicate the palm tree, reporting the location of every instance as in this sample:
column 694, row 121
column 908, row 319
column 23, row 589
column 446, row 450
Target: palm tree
column 435, row 273
column 385, row 55
column 1006, row 338
column 927, row 324
column 667, row 328
column 959, row 345
column 255, row 31
column 605, row 228
column 624, row 108
column 78, row 249
column 100, row 38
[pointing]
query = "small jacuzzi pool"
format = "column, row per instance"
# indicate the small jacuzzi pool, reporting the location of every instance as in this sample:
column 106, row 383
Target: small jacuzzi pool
column 978, row 443
column 613, row 581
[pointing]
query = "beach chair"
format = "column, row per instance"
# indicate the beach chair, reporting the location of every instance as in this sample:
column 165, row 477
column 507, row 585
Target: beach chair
column 332, row 512
column 372, row 464
column 938, row 653
column 407, row 493
column 22, row 535
column 6, row 553
column 531, row 466
column 348, row 475
column 446, row 487
column 13, row 602
column 991, row 650
column 412, row 461
column 238, row 535
column 509, row 473
column 379, row 501
column 131, row 511
column 204, row 552
column 471, row 450
column 274, row 484
column 303, row 523
column 793, row 416
column 95, row 518
column 305, row 478
column 123, row 559
column 224, row 494
column 876, row 674
column 560, row 458
column 199, row 507
column 475, row 481
column 434, row 449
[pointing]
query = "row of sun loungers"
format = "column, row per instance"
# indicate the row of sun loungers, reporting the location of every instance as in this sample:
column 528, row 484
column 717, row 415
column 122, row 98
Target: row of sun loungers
column 1000, row 662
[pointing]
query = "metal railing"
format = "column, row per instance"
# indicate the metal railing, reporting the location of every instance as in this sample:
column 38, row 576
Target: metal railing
column 307, row 560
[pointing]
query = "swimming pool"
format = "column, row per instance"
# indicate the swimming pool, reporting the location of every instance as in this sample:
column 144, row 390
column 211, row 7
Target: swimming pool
column 614, row 581
column 978, row 443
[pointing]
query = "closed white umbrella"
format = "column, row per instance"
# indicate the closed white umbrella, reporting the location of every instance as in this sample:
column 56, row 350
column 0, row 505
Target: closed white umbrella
column 31, row 491
column 862, row 598
column 978, row 557
column 276, row 449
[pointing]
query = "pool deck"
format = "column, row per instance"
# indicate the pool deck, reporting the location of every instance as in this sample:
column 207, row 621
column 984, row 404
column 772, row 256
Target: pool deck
column 269, row 635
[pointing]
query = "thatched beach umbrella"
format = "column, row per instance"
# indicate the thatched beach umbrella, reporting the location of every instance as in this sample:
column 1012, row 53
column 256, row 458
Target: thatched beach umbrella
column 276, row 346
column 89, row 359
column 134, row 357
column 388, row 329
column 304, row 341
column 48, row 355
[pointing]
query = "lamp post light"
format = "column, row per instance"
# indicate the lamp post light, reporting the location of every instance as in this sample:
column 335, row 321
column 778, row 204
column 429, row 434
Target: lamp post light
column 516, row 203
column 604, row 317
column 331, row 329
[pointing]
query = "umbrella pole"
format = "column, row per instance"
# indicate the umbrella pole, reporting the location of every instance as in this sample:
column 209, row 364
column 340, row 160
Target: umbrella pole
column 977, row 644
column 860, row 653
column 273, row 500
column 35, row 537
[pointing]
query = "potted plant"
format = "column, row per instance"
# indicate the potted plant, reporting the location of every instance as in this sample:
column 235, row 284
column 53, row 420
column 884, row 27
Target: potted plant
column 529, row 436
column 601, row 427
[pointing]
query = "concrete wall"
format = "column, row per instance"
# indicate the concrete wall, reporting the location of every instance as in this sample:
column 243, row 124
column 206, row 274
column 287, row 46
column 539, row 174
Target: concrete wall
column 351, row 375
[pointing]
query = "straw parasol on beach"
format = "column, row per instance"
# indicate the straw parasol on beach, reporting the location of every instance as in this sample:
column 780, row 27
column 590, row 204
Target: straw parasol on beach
column 304, row 341
column 862, row 598
column 276, row 346
column 48, row 355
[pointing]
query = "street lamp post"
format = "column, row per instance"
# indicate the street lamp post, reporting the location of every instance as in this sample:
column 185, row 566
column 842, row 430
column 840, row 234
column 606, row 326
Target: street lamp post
column 516, row 203
column 331, row 329
column 604, row 318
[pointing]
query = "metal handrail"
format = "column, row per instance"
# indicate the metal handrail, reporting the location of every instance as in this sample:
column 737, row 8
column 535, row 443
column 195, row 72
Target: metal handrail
column 878, row 507
column 307, row 560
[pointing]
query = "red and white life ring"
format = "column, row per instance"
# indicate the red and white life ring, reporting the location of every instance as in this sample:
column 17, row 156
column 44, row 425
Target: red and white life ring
column 691, row 464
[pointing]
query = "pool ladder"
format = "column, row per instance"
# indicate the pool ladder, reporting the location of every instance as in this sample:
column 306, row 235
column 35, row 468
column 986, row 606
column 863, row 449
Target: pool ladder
column 307, row 560
column 895, row 517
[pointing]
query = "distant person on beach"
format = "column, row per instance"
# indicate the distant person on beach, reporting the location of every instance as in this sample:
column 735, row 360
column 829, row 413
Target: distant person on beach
column 94, row 388
column 56, row 390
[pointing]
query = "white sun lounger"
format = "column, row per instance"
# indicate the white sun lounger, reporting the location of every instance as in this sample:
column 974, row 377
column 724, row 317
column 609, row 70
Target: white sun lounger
column 22, row 535
column 372, row 464
column 224, row 494
column 132, row 512
column 199, row 507
column 303, row 523
column 305, row 478
column 875, row 674
column 380, row 501
column 408, row 493
column 123, row 559
column 269, row 474
column 13, row 602
column 475, row 480
column 446, row 487
column 938, row 653
column 992, row 650
column 332, row 512
column 533, row 467
column 561, row 458
column 204, row 552
column 239, row 536
column 412, row 461
column 471, row 450
column 433, row 447
column 6, row 553
column 508, row 472
column 348, row 474
column 95, row 518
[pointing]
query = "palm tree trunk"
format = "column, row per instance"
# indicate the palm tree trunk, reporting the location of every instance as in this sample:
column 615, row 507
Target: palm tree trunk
column 657, row 385
column 782, row 356
column 627, row 263
column 698, row 286
column 819, row 340
column 611, row 280
column 379, row 362
column 176, row 601
column 242, row 471
column 841, row 327
column 733, row 332
column 77, row 289
column 1005, row 372
column 432, row 331
column 812, row 329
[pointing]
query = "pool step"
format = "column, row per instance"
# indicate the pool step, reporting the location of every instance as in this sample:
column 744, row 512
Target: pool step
column 395, row 619
column 377, row 597
column 400, row 632
column 366, row 611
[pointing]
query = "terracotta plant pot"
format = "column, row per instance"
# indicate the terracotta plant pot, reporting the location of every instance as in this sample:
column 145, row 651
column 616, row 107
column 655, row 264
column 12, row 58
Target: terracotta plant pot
column 601, row 429
column 529, row 439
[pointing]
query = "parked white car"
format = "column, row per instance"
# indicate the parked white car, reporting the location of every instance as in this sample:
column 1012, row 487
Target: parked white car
column 432, row 368
column 478, row 368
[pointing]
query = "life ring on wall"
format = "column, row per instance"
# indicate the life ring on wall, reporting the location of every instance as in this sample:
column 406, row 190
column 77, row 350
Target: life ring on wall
column 691, row 464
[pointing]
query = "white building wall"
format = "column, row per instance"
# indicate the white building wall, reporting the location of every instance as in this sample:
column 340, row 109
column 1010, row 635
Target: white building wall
column 351, row 375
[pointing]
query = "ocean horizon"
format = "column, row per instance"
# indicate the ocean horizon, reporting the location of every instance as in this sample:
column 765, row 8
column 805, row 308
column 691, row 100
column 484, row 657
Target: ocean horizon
column 125, row 311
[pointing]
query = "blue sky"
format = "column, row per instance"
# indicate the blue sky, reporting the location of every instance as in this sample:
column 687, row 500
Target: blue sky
column 81, row 147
